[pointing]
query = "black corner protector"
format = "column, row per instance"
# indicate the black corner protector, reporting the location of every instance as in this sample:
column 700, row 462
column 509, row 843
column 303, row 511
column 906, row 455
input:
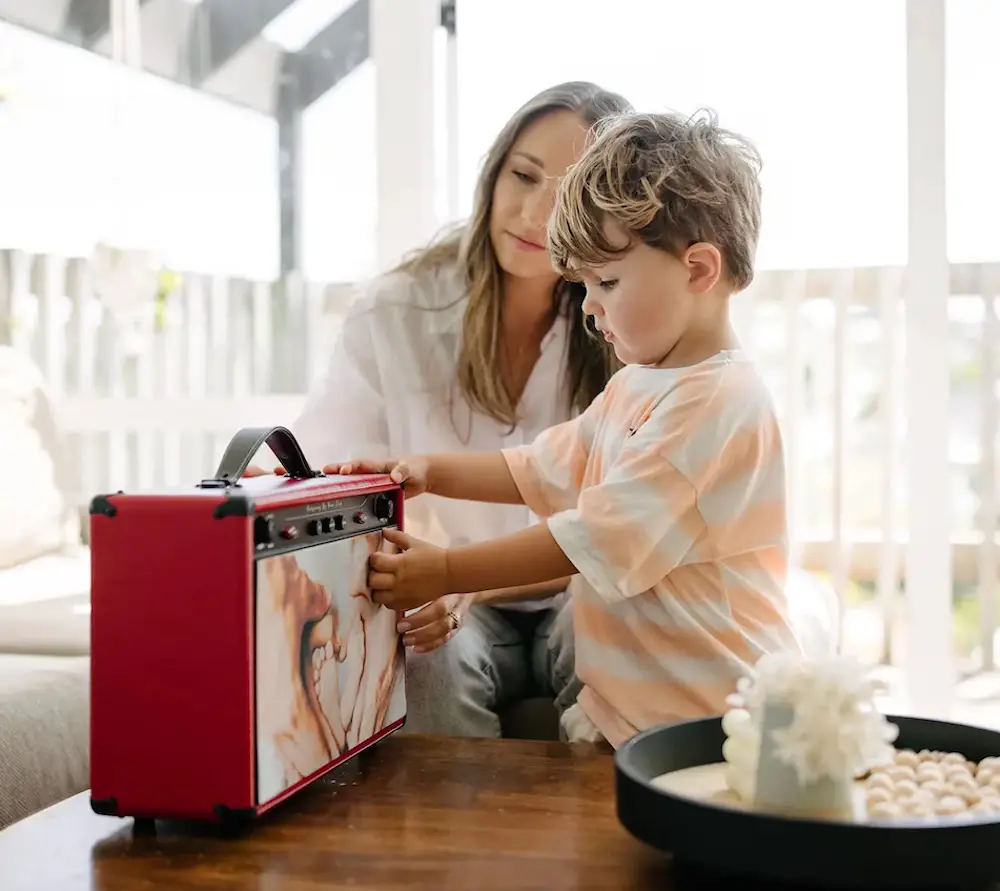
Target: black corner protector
column 106, row 807
column 236, row 505
column 238, row 816
column 101, row 504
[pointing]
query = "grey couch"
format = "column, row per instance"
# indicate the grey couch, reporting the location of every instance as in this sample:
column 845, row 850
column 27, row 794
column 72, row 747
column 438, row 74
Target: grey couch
column 44, row 606
column 44, row 725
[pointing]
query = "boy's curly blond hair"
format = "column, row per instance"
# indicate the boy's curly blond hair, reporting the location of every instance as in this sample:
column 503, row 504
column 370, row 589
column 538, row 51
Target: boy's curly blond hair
column 671, row 181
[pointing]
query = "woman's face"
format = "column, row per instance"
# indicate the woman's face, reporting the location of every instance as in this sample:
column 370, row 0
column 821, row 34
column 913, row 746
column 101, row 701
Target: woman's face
column 525, row 192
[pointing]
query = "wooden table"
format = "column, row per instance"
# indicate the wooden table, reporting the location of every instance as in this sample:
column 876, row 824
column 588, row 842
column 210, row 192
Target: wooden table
column 413, row 813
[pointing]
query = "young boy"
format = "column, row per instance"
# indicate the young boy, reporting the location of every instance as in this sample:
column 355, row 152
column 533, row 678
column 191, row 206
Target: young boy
column 667, row 495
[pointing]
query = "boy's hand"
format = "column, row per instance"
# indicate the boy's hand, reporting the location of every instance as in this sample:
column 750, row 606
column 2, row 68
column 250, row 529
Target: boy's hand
column 411, row 472
column 409, row 579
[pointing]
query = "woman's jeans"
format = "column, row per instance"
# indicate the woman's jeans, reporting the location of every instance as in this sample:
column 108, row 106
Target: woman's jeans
column 497, row 657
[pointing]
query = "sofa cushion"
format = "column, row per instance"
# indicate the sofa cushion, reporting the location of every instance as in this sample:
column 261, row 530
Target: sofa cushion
column 45, row 605
column 44, row 732
column 35, row 496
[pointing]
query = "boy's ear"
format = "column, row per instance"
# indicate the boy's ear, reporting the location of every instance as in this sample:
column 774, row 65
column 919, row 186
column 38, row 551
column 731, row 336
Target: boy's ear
column 704, row 263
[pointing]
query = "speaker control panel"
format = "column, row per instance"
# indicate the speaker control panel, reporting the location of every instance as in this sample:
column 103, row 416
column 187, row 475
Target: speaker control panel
column 291, row 528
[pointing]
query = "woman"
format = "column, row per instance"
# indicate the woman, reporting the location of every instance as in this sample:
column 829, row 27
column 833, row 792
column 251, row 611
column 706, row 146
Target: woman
column 475, row 343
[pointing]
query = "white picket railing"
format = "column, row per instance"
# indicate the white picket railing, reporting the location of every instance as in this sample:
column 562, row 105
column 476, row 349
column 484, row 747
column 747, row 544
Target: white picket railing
column 228, row 353
column 158, row 409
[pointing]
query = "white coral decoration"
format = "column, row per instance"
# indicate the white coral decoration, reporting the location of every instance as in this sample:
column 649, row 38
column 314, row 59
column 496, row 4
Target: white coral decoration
column 836, row 730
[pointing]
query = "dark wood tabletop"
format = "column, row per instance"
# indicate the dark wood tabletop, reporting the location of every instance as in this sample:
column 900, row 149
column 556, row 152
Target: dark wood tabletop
column 414, row 812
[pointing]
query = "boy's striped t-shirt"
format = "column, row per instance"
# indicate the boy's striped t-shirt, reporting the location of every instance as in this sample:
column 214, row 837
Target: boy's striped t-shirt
column 668, row 496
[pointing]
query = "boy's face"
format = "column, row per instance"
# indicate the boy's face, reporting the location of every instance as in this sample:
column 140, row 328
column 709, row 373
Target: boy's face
column 640, row 303
column 646, row 301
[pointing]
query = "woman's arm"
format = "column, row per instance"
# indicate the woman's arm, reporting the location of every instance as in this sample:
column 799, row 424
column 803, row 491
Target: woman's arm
column 538, row 591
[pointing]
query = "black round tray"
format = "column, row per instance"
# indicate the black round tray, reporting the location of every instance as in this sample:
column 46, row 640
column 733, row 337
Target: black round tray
column 951, row 853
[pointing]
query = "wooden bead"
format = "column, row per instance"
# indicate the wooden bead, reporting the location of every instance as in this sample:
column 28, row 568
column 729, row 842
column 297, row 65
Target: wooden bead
column 880, row 781
column 901, row 772
column 885, row 809
column 950, row 805
column 877, row 795
column 956, row 772
column 983, row 806
column 917, row 808
column 937, row 788
column 907, row 758
column 928, row 772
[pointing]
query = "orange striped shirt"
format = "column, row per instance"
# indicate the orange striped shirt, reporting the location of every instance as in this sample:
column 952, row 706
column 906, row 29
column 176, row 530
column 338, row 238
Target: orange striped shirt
column 668, row 496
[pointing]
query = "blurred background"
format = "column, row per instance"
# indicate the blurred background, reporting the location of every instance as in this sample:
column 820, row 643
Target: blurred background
column 189, row 190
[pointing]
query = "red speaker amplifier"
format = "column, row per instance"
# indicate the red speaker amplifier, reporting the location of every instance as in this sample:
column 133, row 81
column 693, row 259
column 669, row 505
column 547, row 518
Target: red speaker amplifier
column 236, row 654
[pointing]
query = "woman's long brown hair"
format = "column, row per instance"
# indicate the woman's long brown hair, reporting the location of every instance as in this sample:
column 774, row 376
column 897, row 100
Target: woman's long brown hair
column 590, row 363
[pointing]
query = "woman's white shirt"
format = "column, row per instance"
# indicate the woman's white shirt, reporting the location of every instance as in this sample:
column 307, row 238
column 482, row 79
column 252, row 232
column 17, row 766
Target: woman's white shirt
column 390, row 389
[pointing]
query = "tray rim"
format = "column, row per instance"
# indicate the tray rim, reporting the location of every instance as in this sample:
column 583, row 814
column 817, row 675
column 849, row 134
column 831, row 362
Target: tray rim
column 957, row 821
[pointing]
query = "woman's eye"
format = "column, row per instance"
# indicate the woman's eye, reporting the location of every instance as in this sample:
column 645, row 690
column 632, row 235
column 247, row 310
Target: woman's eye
column 524, row 177
column 609, row 285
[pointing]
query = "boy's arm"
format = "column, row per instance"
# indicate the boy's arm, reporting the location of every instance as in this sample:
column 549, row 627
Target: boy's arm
column 528, row 557
column 472, row 476
column 544, row 475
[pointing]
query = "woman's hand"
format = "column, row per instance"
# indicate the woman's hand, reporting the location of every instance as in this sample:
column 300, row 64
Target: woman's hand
column 410, row 472
column 433, row 625
column 254, row 470
column 404, row 581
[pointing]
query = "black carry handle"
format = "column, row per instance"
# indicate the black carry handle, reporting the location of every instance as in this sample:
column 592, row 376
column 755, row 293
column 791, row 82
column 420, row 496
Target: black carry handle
column 244, row 445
